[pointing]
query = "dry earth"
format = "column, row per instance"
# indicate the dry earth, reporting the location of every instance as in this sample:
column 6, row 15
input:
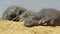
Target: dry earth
column 10, row 27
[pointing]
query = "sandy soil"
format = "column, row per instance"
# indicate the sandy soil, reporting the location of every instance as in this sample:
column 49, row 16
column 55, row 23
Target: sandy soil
column 10, row 27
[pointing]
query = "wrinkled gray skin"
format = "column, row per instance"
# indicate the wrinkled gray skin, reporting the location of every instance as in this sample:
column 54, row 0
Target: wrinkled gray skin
column 30, row 18
column 13, row 11
column 51, row 16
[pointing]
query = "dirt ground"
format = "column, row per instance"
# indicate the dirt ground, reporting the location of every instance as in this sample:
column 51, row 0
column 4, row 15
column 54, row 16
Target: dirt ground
column 10, row 27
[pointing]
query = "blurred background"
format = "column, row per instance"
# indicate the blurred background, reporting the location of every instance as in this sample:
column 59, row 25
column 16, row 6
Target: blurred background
column 30, row 4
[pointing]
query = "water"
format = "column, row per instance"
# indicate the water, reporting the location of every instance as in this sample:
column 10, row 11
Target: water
column 30, row 4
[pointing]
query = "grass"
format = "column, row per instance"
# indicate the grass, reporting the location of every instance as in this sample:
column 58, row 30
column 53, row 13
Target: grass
column 10, row 27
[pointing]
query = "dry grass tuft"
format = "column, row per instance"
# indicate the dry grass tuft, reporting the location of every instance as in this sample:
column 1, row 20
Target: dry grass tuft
column 10, row 27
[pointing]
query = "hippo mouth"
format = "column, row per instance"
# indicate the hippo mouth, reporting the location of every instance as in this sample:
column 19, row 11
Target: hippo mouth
column 13, row 17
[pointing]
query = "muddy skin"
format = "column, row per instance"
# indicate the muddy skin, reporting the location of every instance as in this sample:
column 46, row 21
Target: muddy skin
column 51, row 17
column 45, row 17
column 12, row 12
column 30, row 18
